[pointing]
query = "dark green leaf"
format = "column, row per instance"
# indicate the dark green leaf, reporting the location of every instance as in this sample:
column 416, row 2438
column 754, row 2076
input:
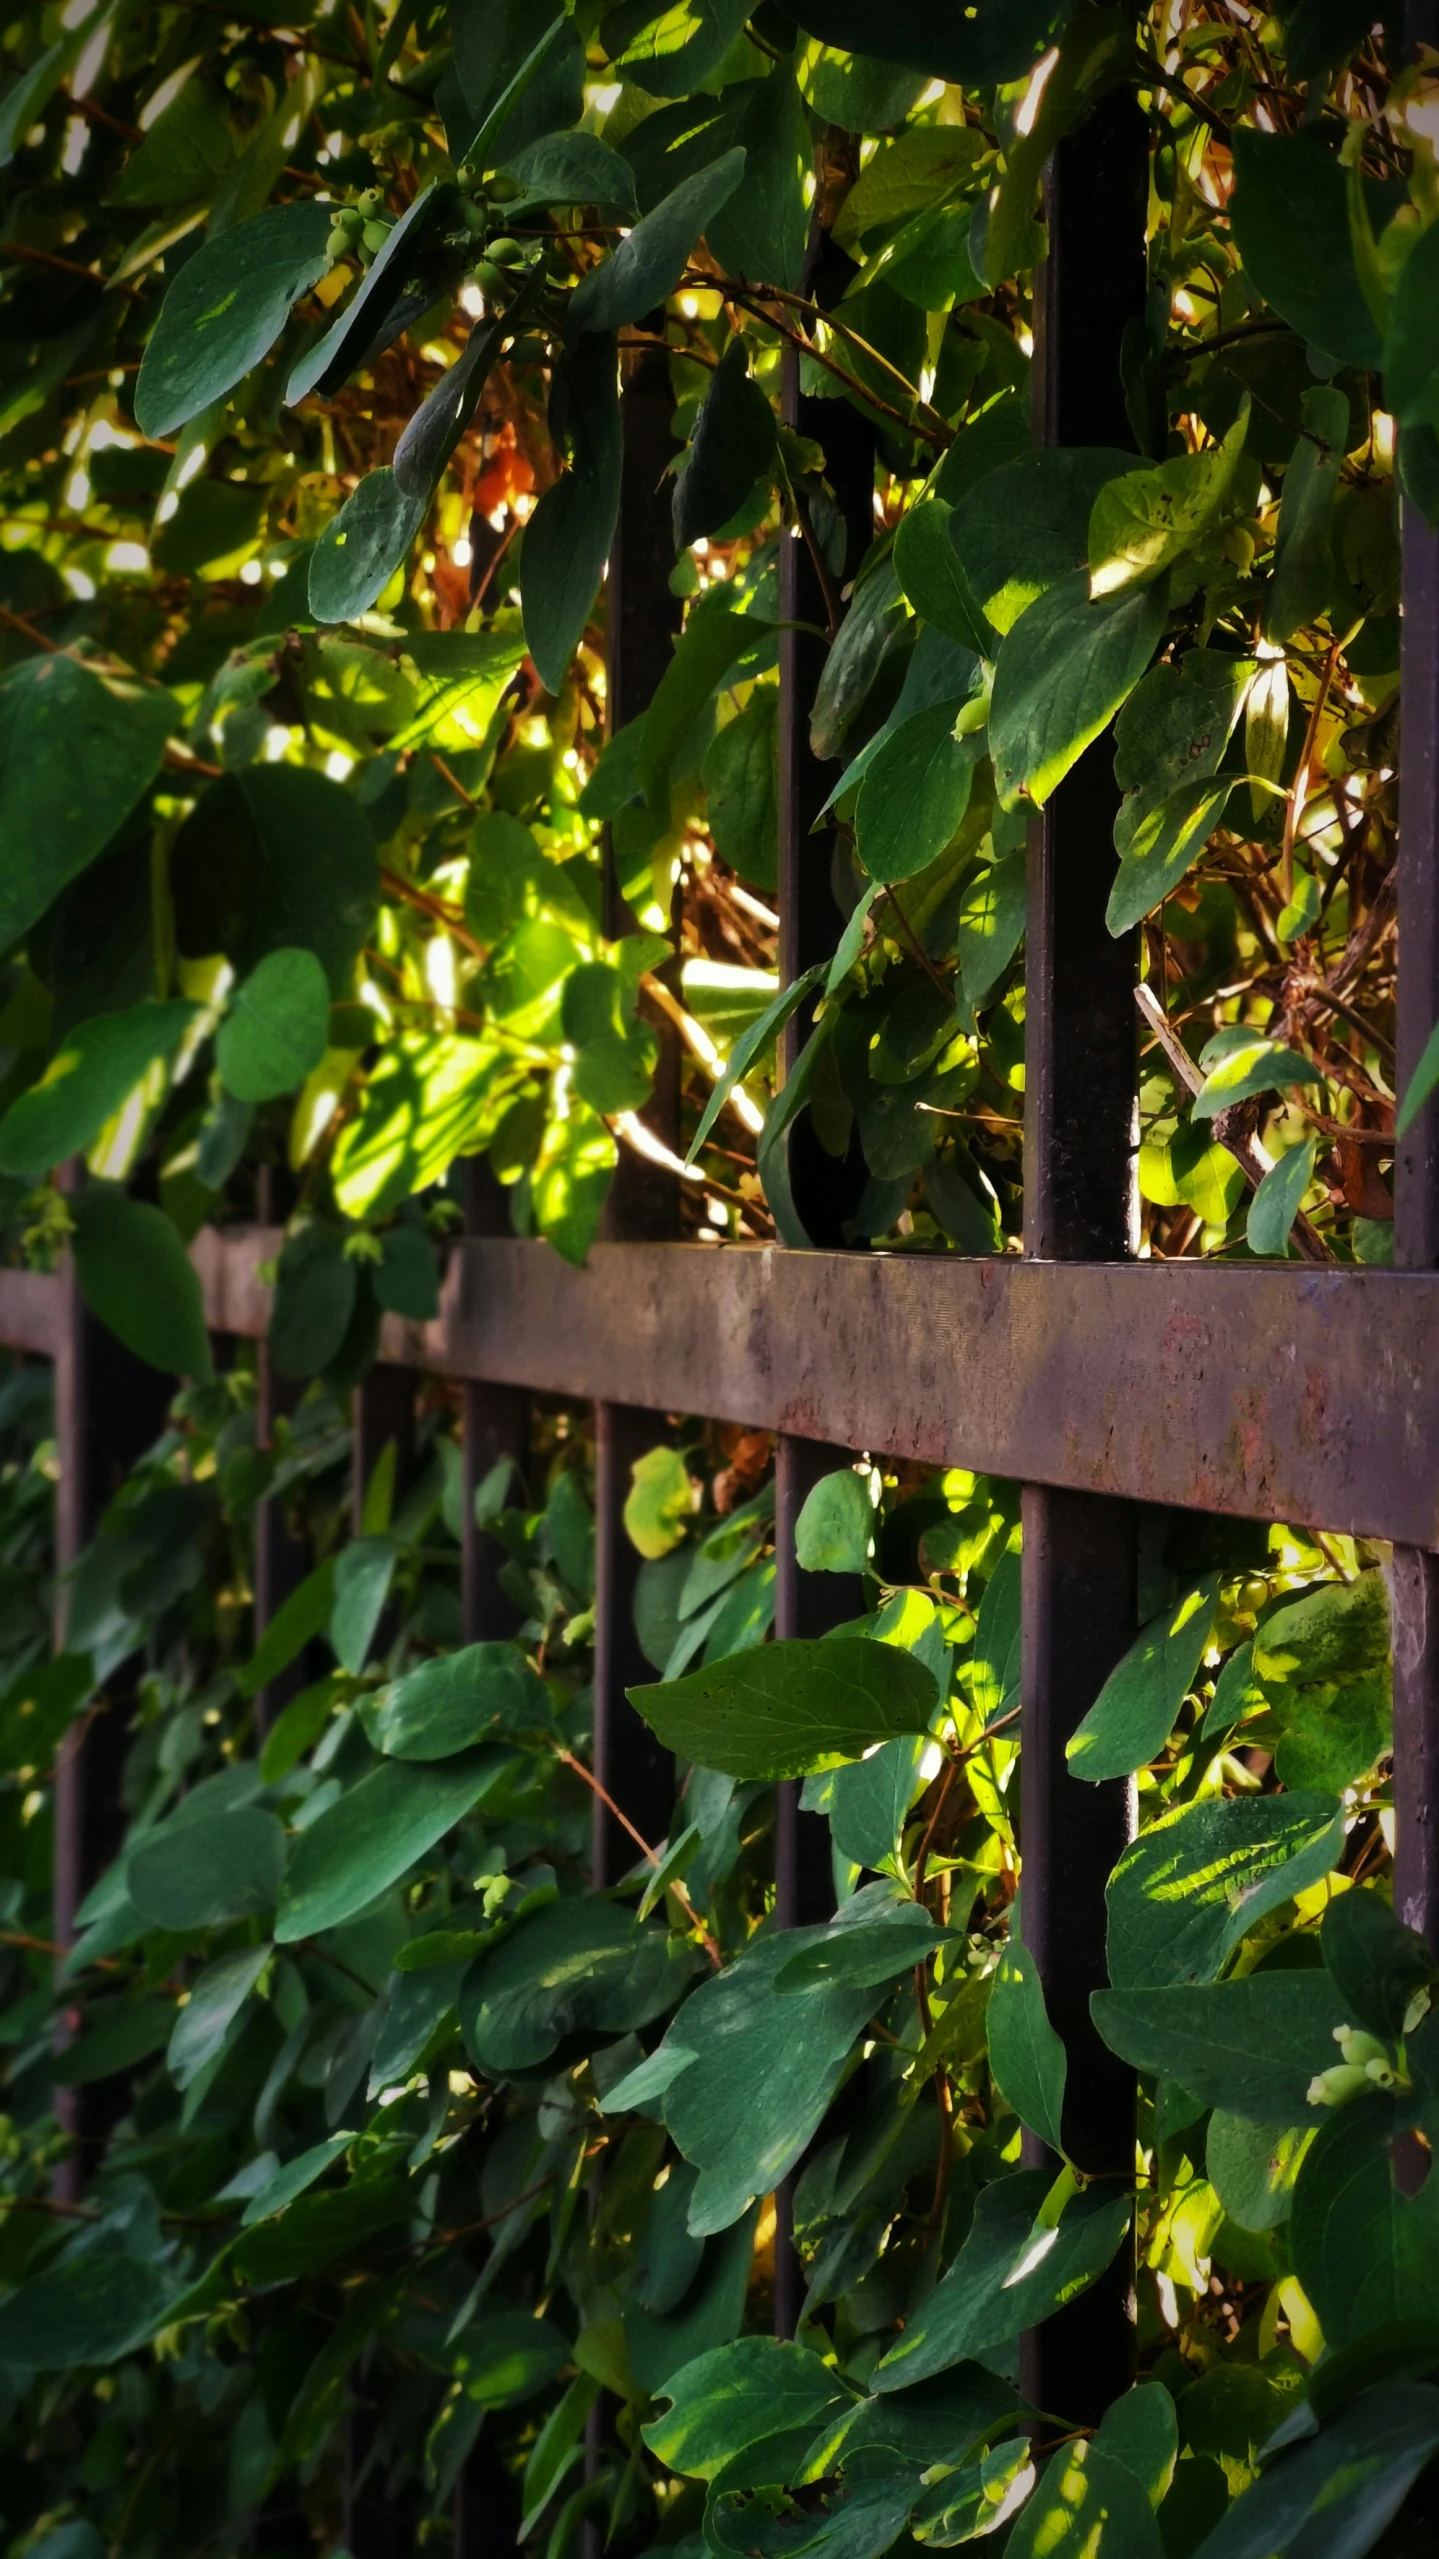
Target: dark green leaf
column 1290, row 218
column 374, row 1834
column 298, row 1618
column 1304, row 554
column 136, row 1276
column 742, row 788
column 979, row 46
column 362, row 547
column 216, row 2001
column 314, row 1300
column 85, row 1083
column 834, row 1532
column 319, row 2228
column 1332, row 2498
column 914, row 795
column 92, row 2310
column 792, row 1707
column 1024, row 528
column 462, row 1698
column 645, row 269
column 1278, row 1200
column 225, row 310
column 580, row 1967
column 219, row 1867
column 1135, row 1712
column 1380, row 1965
column 926, row 564
column 276, row 858
column 1013, row 2271
column 1061, row 675
column 1323, row 1663
column 1088, row 2502
column 324, row 366
column 1026, row 2055
column 1251, row 2046
column 444, row 413
column 77, row 752
column 732, row 443
column 573, row 168
column 728, row 2402
column 275, row 1032
column 567, row 540
column 1252, row 2168
column 364, row 1571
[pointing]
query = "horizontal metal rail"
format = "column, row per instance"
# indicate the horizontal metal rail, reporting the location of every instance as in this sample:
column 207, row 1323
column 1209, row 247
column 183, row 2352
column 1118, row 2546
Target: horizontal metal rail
column 1265, row 1392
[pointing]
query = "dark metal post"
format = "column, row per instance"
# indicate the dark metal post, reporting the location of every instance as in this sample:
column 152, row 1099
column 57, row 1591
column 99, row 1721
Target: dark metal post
column 108, row 1408
column 496, row 1426
column 1415, row 1577
column 805, row 1604
column 1079, row 1555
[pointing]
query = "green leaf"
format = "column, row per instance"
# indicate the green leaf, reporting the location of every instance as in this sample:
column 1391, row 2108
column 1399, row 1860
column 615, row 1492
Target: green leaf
column 711, row 643
column 77, row 753
column 751, row 1045
column 362, row 547
column 1333, row 2497
column 1143, row 521
column 573, row 168
column 859, row 1954
column 1411, row 364
column 979, row 47
column 914, row 795
column 1174, row 730
column 659, row 2345
column 324, row 366
column 1136, row 1709
column 299, row 1618
column 85, row 1083
column 761, row 230
column 1278, row 1200
column 276, row 858
column 508, row 2356
column 1365, row 2252
column 581, row 1967
column 1024, row 526
column 1087, row 2504
column 788, row 1708
column 1420, row 1086
column 1246, row 1064
column 1061, row 675
column 567, row 540
column 995, row 1662
column 926, row 564
column 459, row 1699
column 1141, row 2431
column 425, row 1101
column 1378, row 1963
column 135, row 1274
column 364, row 1571
column 217, row 1997
column 750, row 2075
column 1303, row 580
column 1290, row 219
column 645, row 269
column 1251, row 2046
column 1026, row 2055
column 320, row 2228
column 1252, row 2168
column 1015, row 2268
column 91, row 2310
column 741, row 781
column 218, row 1867
column 225, row 310
column 294, row 2179
column 732, row 443
column 658, row 1503
column 1194, row 1883
column 374, row 1835
column 446, row 410
column 990, row 924
column 1166, row 843
column 276, row 1030
column 835, row 1528
column 314, row 1300
column 917, row 169
column 1323, row 1663
column 571, row 1181
column 730, row 2403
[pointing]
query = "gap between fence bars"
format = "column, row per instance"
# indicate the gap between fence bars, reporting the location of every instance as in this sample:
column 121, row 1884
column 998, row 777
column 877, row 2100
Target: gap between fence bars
column 1276, row 1393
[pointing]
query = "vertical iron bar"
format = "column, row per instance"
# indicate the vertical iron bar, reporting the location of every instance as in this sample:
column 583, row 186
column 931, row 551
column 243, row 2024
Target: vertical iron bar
column 1414, row 1583
column 109, row 1407
column 496, row 1426
column 806, row 1604
column 1079, row 1553
column 826, row 1190
column 281, row 1561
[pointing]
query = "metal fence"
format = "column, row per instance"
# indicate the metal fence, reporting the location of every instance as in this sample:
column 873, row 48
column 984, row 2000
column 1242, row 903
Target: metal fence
column 1300, row 1393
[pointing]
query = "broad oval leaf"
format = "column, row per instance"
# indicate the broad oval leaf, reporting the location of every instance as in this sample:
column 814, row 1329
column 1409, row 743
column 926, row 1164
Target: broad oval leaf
column 447, row 1705
column 361, row 547
column 77, row 752
column 914, row 795
column 1013, row 2271
column 1251, row 2046
column 275, row 1032
column 1026, row 2055
column 225, row 310
column 85, row 1083
column 645, row 269
column 1062, row 673
column 1194, row 1883
column 136, row 1275
column 373, row 1836
column 1134, row 1714
column 92, row 2310
column 219, row 1867
column 786, row 1709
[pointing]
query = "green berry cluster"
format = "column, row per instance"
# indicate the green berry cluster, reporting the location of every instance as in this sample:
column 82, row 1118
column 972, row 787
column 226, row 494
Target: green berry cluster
column 359, row 229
